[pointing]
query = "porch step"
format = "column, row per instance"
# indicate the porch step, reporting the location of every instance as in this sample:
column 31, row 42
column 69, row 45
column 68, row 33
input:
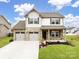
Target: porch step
column 61, row 41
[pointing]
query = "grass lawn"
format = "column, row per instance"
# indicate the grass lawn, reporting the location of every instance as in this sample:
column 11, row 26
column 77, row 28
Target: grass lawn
column 4, row 41
column 61, row 51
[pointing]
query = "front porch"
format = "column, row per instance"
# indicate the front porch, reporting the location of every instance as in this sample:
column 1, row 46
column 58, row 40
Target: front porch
column 52, row 34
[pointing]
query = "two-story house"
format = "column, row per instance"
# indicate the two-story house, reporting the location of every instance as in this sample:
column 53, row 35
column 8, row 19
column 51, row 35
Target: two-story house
column 4, row 27
column 39, row 26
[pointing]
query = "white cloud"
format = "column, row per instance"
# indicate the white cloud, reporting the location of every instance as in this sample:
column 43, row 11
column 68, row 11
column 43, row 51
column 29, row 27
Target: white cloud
column 76, row 4
column 71, row 20
column 6, row 1
column 19, row 18
column 23, row 8
column 9, row 21
column 60, row 3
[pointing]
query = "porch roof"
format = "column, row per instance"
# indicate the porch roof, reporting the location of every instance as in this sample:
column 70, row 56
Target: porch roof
column 52, row 27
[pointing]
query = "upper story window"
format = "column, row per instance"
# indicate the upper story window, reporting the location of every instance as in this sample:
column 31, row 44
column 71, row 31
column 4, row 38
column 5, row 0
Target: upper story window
column 55, row 21
column 30, row 21
column 36, row 21
column 33, row 20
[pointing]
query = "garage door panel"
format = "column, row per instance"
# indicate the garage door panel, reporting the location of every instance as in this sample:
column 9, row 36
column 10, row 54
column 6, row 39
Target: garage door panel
column 34, row 36
column 20, row 36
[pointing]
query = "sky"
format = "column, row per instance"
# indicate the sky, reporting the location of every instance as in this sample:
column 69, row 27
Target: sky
column 14, row 10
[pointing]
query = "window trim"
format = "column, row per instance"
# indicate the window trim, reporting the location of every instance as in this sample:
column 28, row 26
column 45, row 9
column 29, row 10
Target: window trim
column 54, row 21
column 55, row 32
column 34, row 21
column 37, row 20
column 29, row 21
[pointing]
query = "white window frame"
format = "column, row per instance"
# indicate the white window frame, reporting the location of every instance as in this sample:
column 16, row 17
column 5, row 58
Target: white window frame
column 55, row 33
column 30, row 21
column 33, row 20
column 54, row 21
column 36, row 21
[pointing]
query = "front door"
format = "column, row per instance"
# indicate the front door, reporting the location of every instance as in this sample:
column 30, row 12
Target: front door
column 44, row 34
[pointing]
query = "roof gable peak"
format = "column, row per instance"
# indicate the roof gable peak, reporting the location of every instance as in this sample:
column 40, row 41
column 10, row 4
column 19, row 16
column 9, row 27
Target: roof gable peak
column 33, row 9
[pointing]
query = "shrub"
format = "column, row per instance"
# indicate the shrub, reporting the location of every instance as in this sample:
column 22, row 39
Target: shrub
column 11, row 40
column 10, row 34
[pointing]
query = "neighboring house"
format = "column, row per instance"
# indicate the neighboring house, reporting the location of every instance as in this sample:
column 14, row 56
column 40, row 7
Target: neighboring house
column 4, row 27
column 72, row 31
column 76, row 32
column 38, row 26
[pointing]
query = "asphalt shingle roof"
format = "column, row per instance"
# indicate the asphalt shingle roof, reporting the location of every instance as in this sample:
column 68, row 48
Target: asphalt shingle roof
column 19, row 25
column 53, row 14
column 46, row 14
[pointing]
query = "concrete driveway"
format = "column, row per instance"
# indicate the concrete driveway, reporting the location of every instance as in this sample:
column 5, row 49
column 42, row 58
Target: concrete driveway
column 20, row 50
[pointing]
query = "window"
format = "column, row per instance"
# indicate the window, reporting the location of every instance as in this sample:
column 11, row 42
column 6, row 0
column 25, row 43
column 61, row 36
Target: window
column 55, row 21
column 52, row 34
column 36, row 32
column 33, row 20
column 17, row 32
column 30, row 21
column 22, row 32
column 52, row 22
column 55, row 33
column 36, row 21
column 31, row 32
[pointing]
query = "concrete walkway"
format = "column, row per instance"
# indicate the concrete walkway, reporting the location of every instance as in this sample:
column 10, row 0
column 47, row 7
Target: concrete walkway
column 20, row 50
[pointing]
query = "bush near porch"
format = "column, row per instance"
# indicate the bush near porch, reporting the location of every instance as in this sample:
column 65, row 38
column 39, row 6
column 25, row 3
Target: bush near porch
column 61, row 51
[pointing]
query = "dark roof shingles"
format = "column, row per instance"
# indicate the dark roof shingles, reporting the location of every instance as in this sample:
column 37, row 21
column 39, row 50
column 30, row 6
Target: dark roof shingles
column 54, row 14
column 19, row 25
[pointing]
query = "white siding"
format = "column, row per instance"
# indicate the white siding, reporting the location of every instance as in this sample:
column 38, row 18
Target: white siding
column 46, row 21
column 61, row 22
column 42, row 21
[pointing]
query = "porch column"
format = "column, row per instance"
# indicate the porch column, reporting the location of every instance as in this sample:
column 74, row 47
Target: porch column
column 40, row 36
column 28, row 34
column 48, row 34
column 27, row 38
column 25, row 35
column 14, row 35
column 62, row 34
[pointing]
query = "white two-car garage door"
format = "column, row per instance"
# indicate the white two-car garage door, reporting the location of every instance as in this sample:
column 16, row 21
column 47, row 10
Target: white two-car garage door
column 20, row 36
column 34, row 36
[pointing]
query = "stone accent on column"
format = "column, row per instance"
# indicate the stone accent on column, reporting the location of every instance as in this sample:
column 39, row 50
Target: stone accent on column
column 40, row 36
column 61, row 34
column 14, row 35
column 26, row 35
column 48, row 35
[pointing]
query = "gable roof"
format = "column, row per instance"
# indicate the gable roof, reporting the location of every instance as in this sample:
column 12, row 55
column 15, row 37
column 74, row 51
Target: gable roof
column 46, row 14
column 33, row 9
column 19, row 26
column 4, row 19
column 52, row 14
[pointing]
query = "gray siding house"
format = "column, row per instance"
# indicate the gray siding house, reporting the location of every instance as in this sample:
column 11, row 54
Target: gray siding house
column 4, row 26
